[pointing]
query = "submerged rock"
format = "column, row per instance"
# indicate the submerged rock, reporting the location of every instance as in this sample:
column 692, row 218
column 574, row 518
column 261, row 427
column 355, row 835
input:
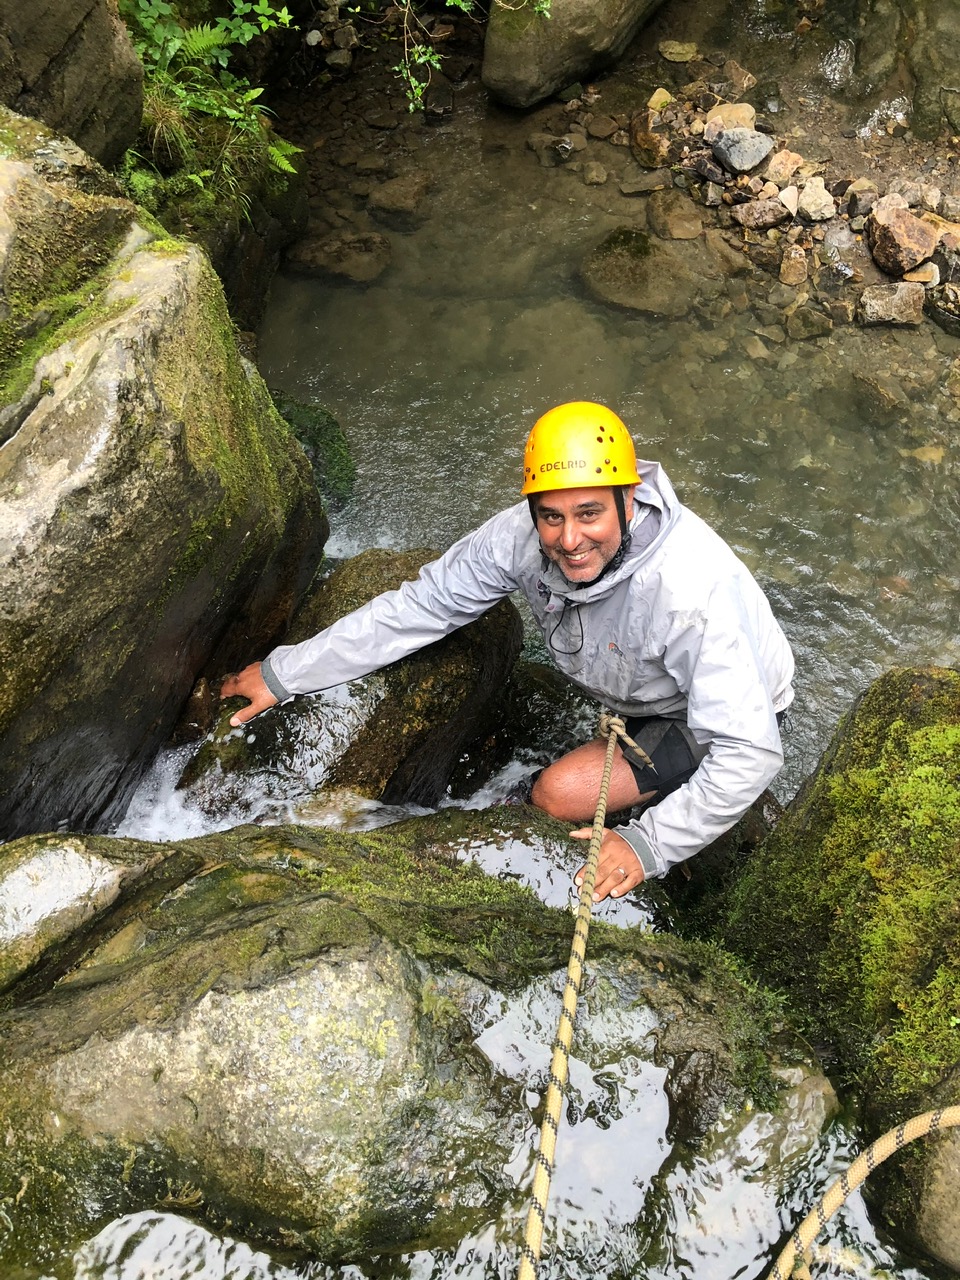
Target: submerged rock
column 334, row 1044
column 632, row 269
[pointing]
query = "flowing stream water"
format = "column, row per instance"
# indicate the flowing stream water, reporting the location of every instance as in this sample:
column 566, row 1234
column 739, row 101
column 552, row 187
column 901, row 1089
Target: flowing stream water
column 849, row 517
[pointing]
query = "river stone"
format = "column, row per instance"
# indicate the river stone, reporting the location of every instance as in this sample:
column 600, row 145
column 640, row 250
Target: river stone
column 733, row 115
column 631, row 269
column 740, row 150
column 355, row 256
column 816, row 204
column 638, row 181
column 399, row 202
column 850, row 907
column 649, row 144
column 808, row 322
column 312, row 1036
column 677, row 51
column 155, row 512
column 73, row 66
column 527, row 56
column 759, row 215
column 900, row 303
column 898, row 239
column 673, row 216
column 406, row 726
column 860, row 197
column 782, row 165
column 793, row 265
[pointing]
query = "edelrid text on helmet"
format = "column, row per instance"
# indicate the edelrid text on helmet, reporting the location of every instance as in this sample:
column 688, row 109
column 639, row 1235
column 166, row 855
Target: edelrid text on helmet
column 577, row 446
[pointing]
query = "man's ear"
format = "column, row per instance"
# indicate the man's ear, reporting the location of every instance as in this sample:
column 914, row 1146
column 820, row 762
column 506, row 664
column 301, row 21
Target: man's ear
column 628, row 502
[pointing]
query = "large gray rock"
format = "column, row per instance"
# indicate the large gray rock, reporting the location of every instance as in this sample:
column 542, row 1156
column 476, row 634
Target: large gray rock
column 155, row 512
column 71, row 64
column 526, row 57
column 338, row 1045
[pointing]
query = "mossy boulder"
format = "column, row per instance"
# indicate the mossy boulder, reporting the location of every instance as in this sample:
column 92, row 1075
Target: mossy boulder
column 336, row 1043
column 636, row 270
column 157, row 512
column 323, row 441
column 852, row 906
column 529, row 55
column 395, row 735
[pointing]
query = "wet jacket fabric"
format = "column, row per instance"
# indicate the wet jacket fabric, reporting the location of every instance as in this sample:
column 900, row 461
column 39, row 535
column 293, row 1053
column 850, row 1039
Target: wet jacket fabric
column 679, row 629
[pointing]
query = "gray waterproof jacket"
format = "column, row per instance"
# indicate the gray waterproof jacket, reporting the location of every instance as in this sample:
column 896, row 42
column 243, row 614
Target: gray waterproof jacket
column 679, row 629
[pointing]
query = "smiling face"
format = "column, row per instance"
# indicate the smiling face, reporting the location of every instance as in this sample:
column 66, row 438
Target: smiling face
column 580, row 529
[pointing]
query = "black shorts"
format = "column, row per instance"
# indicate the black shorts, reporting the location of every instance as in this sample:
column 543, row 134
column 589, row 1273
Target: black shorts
column 672, row 748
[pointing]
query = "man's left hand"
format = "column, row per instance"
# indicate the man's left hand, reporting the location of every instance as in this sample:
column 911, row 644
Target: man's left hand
column 618, row 868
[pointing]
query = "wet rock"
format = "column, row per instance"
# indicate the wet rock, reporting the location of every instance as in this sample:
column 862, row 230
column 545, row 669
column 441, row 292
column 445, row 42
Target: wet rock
column 816, row 204
column 528, row 56
column 942, row 305
column 673, row 216
column 638, row 181
column 308, row 1032
column 885, row 395
column 900, row 303
column 594, row 174
column 793, row 265
column 659, row 99
column 602, row 127
column 927, row 274
column 860, row 197
column 358, row 257
column 759, row 215
column 52, row 887
column 898, row 239
column 843, row 955
column 639, row 272
column 135, row 405
column 402, row 729
column 741, row 79
column 438, row 99
column 649, row 144
column 782, row 165
column 733, row 115
column 808, row 322
column 74, row 68
column 383, row 119
column 704, row 166
column 740, row 150
column 399, row 202
column 677, row 51
column 549, row 148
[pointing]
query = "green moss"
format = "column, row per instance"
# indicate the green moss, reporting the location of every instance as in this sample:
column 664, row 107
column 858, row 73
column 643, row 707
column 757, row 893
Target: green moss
column 323, row 442
column 626, row 240
column 853, row 904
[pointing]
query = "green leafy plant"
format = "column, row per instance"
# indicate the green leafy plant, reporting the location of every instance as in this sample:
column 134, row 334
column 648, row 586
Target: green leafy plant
column 206, row 138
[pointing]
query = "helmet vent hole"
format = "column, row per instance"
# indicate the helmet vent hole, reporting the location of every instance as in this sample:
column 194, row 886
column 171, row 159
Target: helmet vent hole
column 599, row 471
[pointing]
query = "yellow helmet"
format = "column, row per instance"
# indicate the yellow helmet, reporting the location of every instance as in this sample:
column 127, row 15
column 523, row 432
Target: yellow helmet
column 578, row 446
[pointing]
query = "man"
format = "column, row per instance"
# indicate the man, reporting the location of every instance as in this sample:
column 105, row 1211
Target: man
column 641, row 604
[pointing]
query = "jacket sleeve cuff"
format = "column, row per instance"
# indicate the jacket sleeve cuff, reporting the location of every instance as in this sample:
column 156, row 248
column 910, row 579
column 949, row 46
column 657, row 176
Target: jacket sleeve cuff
column 273, row 684
column 642, row 848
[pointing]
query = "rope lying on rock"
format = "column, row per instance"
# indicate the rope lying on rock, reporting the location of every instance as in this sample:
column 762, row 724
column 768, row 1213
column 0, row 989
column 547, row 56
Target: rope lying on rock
column 613, row 728
column 801, row 1240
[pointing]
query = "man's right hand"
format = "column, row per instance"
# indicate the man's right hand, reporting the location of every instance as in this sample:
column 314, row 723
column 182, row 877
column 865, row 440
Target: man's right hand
column 248, row 683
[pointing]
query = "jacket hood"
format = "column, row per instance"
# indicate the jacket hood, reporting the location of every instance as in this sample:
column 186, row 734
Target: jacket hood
column 654, row 494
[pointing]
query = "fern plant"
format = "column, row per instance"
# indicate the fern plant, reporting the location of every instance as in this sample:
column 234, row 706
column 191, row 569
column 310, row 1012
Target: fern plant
column 206, row 139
